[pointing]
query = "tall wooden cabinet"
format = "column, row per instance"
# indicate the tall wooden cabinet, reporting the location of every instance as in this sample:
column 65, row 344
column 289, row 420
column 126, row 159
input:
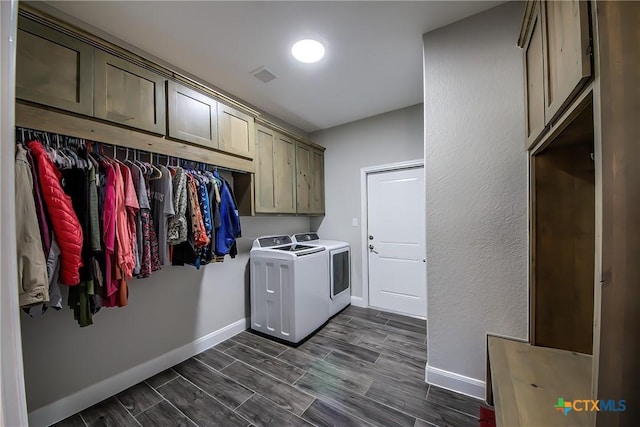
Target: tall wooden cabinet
column 555, row 41
column 584, row 220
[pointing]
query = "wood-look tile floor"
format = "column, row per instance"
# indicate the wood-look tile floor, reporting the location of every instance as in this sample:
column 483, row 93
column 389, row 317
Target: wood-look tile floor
column 365, row 367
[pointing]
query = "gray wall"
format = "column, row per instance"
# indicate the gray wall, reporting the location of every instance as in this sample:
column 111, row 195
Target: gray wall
column 173, row 307
column 476, row 189
column 387, row 138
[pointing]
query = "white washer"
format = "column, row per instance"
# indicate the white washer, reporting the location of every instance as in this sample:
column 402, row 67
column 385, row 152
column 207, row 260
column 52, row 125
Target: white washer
column 339, row 261
column 288, row 282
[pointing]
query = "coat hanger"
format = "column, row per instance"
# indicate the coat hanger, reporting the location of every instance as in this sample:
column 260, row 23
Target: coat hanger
column 139, row 163
column 155, row 169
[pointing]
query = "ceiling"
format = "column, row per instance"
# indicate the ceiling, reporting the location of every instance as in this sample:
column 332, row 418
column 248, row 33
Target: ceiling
column 373, row 61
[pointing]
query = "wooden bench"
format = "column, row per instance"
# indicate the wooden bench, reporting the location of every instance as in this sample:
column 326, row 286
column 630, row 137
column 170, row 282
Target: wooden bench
column 526, row 382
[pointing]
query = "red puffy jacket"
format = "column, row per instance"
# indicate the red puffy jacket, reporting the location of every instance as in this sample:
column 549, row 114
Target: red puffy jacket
column 63, row 218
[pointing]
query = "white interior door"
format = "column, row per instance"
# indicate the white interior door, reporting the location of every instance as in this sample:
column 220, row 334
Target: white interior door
column 396, row 241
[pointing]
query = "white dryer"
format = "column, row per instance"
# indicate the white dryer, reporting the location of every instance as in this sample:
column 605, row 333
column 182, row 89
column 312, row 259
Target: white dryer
column 338, row 258
column 288, row 288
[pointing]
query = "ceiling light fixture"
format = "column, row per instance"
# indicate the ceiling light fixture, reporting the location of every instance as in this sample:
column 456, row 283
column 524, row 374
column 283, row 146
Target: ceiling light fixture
column 308, row 51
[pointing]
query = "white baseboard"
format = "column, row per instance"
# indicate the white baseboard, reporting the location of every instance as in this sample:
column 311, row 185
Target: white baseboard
column 455, row 382
column 358, row 302
column 95, row 393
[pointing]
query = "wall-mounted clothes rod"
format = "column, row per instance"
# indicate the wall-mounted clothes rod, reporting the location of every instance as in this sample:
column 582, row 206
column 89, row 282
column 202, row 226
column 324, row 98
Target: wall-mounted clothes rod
column 91, row 216
column 24, row 135
column 34, row 117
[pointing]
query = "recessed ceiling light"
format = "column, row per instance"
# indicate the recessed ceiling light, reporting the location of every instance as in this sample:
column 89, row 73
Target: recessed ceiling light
column 308, row 51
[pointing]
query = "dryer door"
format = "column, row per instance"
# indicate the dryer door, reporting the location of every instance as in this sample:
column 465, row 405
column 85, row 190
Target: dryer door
column 340, row 271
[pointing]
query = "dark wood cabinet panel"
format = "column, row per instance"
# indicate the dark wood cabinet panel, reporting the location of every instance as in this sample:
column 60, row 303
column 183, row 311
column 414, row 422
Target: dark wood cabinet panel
column 128, row 94
column 192, row 116
column 534, row 80
column 567, row 53
column 53, row 69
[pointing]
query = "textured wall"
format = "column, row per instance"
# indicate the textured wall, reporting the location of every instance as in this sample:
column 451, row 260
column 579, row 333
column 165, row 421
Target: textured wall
column 476, row 186
column 173, row 307
column 387, row 138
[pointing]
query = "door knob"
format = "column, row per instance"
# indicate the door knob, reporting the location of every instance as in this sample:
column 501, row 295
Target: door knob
column 371, row 249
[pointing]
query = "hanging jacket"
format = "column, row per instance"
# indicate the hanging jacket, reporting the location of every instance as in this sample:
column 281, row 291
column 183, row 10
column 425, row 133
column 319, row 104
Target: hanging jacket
column 32, row 267
column 63, row 218
column 229, row 220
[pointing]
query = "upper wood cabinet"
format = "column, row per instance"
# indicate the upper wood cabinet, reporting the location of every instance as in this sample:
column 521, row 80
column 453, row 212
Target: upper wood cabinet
column 192, row 116
column 568, row 52
column 534, row 79
column 310, row 179
column 236, row 132
column 556, row 42
column 53, row 68
column 128, row 94
column 275, row 179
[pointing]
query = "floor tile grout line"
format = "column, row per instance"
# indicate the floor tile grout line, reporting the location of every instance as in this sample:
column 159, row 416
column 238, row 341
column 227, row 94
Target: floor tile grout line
column 272, row 357
column 308, row 406
column 255, row 349
column 342, row 408
column 152, row 406
column 415, row 416
column 177, row 409
column 126, row 409
column 269, row 375
column 245, row 401
column 212, row 367
column 255, row 392
column 215, row 398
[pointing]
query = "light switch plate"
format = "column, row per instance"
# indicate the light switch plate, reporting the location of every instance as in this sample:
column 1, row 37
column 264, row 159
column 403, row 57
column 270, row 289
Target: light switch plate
column 354, row 222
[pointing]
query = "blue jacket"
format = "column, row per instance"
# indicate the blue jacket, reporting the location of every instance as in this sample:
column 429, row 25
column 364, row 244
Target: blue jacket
column 229, row 218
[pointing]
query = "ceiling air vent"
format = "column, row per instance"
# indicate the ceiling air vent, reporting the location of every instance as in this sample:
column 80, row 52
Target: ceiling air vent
column 263, row 75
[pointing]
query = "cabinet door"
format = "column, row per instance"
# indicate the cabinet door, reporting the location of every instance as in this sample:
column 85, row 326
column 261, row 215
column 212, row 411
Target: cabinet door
column 534, row 79
column 303, row 178
column 284, row 174
column 310, row 180
column 235, row 132
column 264, row 163
column 317, row 187
column 568, row 56
column 128, row 94
column 53, row 69
column 192, row 116
column 275, row 172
